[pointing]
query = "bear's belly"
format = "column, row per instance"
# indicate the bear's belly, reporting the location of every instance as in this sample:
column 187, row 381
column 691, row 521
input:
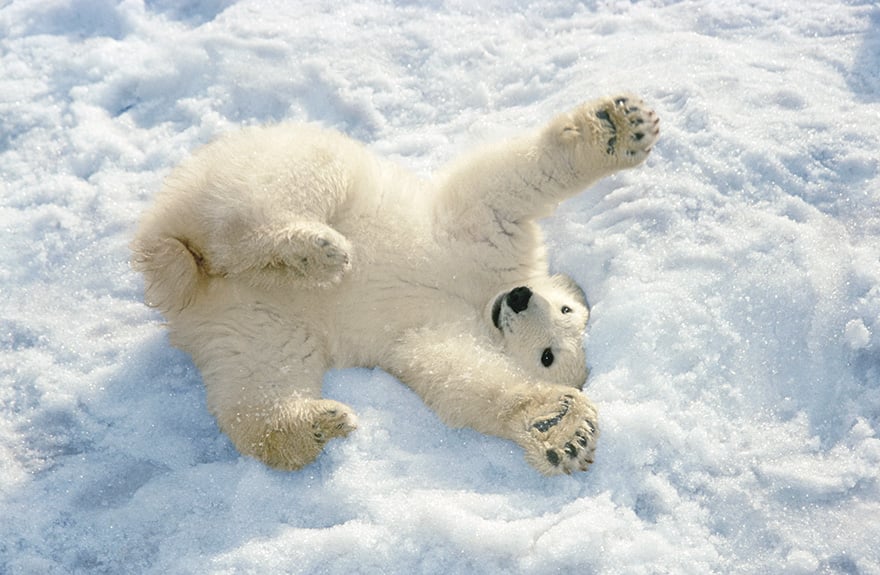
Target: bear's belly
column 370, row 314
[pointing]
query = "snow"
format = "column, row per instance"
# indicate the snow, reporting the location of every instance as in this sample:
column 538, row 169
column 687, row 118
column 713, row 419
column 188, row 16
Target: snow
column 735, row 283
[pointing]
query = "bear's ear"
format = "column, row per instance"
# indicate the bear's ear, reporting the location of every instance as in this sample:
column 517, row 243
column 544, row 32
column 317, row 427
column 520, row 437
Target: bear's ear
column 565, row 282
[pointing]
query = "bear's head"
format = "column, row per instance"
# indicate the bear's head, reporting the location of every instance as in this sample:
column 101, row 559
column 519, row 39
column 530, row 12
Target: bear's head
column 542, row 325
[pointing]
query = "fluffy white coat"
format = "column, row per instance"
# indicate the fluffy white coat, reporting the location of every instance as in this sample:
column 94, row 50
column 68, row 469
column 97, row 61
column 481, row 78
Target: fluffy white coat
column 276, row 253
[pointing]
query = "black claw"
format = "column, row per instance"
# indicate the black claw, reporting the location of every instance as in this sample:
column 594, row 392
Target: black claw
column 581, row 439
column 571, row 450
column 552, row 457
column 621, row 101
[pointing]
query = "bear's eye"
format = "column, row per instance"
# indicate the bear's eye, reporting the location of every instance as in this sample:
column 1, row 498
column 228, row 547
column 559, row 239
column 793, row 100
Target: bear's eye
column 566, row 309
column 547, row 357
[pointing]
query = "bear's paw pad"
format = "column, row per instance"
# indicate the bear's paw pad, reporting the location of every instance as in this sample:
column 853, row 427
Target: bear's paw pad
column 629, row 128
column 564, row 440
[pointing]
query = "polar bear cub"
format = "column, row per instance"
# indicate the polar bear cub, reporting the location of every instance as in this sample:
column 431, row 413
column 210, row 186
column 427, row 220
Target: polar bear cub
column 276, row 253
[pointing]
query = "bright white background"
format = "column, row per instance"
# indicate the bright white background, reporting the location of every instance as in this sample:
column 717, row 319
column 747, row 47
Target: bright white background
column 735, row 283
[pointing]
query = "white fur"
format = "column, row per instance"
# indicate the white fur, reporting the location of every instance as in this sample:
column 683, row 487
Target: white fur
column 276, row 253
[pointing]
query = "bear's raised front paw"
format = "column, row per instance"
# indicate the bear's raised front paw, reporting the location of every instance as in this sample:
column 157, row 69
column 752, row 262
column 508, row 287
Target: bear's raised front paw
column 630, row 127
column 561, row 435
column 617, row 132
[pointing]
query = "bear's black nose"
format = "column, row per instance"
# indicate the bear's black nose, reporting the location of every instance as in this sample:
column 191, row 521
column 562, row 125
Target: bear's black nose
column 518, row 298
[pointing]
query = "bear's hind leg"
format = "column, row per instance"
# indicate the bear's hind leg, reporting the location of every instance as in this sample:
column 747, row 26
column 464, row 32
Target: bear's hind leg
column 263, row 373
column 303, row 253
column 289, row 435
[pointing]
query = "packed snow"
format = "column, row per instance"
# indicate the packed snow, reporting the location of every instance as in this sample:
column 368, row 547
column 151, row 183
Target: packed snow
column 735, row 282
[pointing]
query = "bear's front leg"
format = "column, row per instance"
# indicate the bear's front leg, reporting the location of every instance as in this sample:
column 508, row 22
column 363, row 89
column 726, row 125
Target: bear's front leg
column 468, row 383
column 489, row 196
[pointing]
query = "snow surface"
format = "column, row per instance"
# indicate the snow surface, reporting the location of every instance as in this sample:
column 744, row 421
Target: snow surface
column 735, row 283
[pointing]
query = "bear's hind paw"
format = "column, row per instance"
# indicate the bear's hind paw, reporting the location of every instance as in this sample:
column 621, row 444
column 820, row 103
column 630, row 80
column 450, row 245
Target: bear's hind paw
column 318, row 253
column 333, row 422
column 335, row 258
column 294, row 437
column 309, row 254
